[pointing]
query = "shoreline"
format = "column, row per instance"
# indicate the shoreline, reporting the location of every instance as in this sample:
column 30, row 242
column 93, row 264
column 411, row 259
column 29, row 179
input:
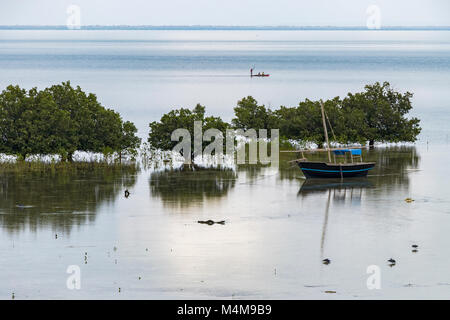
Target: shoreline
column 225, row 28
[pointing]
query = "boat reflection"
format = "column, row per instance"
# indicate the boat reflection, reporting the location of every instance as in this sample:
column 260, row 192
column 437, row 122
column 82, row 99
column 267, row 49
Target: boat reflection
column 337, row 192
column 341, row 189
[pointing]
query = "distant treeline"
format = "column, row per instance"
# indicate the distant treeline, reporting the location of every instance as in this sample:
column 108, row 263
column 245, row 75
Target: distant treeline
column 61, row 120
column 377, row 114
column 223, row 28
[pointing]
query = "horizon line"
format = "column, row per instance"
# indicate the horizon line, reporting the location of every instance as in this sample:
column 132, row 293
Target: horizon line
column 215, row 27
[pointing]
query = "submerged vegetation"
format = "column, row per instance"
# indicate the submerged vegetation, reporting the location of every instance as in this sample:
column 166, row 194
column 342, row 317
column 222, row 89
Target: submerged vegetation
column 67, row 167
column 379, row 114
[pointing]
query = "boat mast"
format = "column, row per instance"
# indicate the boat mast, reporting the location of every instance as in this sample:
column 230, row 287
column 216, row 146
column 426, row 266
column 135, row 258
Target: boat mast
column 325, row 130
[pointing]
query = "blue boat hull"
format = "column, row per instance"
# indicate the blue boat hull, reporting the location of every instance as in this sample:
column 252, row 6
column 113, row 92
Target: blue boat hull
column 331, row 170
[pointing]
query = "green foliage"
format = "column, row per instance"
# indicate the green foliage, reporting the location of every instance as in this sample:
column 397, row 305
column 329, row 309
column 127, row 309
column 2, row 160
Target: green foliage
column 161, row 132
column 129, row 142
column 300, row 123
column 31, row 122
column 377, row 114
column 60, row 120
column 384, row 113
column 249, row 115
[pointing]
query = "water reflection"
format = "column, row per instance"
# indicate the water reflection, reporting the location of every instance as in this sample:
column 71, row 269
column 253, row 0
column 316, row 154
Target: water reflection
column 58, row 199
column 325, row 224
column 335, row 192
column 394, row 164
column 340, row 189
column 185, row 186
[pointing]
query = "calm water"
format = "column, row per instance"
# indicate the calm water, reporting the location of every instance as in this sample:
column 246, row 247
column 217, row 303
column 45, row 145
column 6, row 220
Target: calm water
column 278, row 227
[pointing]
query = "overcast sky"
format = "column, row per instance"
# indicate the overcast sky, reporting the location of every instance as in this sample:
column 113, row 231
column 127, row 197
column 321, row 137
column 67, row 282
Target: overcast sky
column 226, row 12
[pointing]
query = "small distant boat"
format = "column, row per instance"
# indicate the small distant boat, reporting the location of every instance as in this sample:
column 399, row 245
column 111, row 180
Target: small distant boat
column 334, row 169
column 259, row 74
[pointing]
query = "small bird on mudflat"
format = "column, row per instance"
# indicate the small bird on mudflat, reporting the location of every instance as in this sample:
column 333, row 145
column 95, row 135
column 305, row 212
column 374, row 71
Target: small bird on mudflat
column 391, row 260
column 326, row 261
column 127, row 193
column 415, row 246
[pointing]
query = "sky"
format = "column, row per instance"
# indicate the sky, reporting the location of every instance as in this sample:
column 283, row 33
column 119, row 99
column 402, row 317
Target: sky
column 226, row 12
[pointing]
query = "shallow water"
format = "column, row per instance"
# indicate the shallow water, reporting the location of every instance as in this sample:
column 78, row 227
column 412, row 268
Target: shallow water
column 143, row 74
column 278, row 227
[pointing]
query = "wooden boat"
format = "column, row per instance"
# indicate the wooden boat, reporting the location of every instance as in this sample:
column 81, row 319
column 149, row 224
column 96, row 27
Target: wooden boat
column 313, row 169
column 259, row 74
column 335, row 169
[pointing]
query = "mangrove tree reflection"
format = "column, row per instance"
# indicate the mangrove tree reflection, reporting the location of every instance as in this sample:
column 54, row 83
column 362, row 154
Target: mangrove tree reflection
column 59, row 198
column 185, row 186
